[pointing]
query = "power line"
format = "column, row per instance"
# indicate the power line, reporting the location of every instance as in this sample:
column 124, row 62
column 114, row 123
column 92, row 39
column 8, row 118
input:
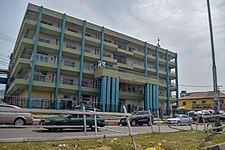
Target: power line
column 4, row 55
column 7, row 40
column 4, row 59
column 7, row 36
column 2, row 64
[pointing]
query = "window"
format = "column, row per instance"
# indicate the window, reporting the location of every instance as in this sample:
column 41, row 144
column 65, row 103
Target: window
column 73, row 30
column 107, row 55
column 87, row 50
column 194, row 102
column 68, row 63
column 221, row 101
column 46, row 22
column 203, row 102
column 120, row 45
column 131, row 49
column 184, row 103
column 44, row 40
column 106, row 40
column 67, row 81
column 70, row 46
column 42, row 58
column 87, row 34
column 85, row 83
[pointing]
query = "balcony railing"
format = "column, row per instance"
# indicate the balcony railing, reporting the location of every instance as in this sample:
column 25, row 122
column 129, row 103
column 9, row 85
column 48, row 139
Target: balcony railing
column 120, row 60
column 125, row 71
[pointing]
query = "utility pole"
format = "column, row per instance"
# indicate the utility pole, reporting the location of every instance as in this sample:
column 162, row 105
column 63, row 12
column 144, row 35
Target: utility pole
column 215, row 87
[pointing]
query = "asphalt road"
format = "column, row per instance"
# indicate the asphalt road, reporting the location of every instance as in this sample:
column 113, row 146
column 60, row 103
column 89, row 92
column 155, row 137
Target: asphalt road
column 41, row 132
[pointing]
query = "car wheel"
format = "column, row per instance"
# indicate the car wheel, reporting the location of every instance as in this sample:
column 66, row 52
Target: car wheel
column 58, row 129
column 50, row 129
column 133, row 123
column 59, row 123
column 19, row 122
column 178, row 123
column 189, row 123
column 140, row 124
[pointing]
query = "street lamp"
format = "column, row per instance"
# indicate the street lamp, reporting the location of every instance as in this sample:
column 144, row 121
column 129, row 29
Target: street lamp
column 215, row 87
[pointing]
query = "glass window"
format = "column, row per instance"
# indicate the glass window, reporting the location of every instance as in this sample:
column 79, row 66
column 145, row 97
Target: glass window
column 70, row 46
column 194, row 102
column 73, row 30
column 107, row 55
column 68, row 63
column 203, row 102
column 44, row 40
column 42, row 59
column 46, row 22
column 184, row 103
column 67, row 81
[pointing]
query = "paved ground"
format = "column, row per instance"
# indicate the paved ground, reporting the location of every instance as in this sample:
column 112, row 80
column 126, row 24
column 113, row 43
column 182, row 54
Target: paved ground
column 41, row 132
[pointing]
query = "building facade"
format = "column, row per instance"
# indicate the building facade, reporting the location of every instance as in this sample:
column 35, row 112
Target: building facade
column 200, row 100
column 58, row 58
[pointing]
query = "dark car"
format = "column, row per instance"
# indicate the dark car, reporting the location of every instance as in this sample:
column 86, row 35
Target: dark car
column 139, row 118
column 71, row 121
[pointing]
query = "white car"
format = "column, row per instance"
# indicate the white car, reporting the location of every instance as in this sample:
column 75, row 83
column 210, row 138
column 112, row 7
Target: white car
column 180, row 119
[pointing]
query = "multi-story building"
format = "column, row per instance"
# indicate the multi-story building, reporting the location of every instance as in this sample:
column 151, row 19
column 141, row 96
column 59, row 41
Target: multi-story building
column 200, row 100
column 61, row 58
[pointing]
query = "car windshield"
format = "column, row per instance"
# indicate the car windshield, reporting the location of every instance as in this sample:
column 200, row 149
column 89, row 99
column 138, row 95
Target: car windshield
column 177, row 116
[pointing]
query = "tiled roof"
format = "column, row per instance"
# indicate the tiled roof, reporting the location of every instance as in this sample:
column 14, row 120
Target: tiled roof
column 201, row 95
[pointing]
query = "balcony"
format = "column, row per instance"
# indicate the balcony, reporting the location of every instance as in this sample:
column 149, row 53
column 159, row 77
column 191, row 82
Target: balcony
column 72, row 51
column 138, row 54
column 73, row 36
column 23, row 62
column 162, row 82
column 138, row 66
column 91, row 54
column 125, row 74
column 110, row 46
column 90, row 40
column 129, row 53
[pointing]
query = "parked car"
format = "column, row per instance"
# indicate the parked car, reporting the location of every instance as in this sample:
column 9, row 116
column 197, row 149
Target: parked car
column 70, row 121
column 180, row 119
column 10, row 114
column 139, row 118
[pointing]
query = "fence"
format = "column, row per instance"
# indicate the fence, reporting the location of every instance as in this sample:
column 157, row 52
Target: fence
column 84, row 113
column 68, row 104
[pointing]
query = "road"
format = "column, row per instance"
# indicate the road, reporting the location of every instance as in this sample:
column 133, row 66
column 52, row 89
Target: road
column 41, row 132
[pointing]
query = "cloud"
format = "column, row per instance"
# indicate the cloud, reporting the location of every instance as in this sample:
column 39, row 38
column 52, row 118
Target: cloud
column 181, row 25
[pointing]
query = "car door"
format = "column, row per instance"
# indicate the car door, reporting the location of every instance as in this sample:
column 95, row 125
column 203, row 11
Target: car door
column 185, row 119
column 145, row 116
column 141, row 117
column 7, row 114
column 74, row 119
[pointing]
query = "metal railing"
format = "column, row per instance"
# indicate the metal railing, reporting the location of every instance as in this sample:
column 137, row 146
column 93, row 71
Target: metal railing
column 126, row 71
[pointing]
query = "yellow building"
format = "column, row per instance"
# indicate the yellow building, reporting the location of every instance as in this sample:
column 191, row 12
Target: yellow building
column 200, row 100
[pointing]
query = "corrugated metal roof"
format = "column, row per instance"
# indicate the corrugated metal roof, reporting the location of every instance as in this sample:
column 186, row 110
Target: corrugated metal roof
column 201, row 95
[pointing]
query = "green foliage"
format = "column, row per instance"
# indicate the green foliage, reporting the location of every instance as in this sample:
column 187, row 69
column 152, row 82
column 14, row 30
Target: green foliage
column 177, row 140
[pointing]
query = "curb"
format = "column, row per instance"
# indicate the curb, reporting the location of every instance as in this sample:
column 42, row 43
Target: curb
column 215, row 147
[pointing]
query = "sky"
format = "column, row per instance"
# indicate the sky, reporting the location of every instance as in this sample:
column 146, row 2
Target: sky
column 182, row 27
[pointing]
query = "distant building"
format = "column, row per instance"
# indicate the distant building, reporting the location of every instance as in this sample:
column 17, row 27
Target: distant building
column 200, row 100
